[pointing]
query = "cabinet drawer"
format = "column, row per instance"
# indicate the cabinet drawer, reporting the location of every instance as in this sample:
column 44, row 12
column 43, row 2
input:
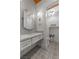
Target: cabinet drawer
column 36, row 39
column 26, row 43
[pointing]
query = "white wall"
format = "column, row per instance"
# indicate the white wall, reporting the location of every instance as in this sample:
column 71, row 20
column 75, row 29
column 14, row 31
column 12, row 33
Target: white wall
column 55, row 18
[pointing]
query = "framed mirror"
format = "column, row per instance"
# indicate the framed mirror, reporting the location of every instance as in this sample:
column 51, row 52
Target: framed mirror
column 28, row 21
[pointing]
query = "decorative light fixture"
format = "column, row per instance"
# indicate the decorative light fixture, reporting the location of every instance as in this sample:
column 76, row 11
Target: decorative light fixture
column 36, row 1
column 50, row 12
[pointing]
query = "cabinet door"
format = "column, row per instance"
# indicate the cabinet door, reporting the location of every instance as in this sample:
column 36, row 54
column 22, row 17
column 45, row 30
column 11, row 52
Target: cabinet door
column 24, row 51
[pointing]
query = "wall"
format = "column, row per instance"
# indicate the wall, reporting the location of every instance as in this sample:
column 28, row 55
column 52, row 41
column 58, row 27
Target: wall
column 55, row 18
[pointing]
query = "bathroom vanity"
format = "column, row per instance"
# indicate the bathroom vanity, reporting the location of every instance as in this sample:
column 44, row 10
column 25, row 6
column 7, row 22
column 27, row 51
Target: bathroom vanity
column 28, row 40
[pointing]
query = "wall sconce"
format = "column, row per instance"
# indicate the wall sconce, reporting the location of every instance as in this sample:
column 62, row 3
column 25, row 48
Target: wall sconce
column 39, row 14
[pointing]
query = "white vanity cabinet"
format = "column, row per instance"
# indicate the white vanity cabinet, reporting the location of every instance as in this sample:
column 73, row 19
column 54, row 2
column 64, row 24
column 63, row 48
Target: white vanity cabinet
column 25, row 45
column 28, row 40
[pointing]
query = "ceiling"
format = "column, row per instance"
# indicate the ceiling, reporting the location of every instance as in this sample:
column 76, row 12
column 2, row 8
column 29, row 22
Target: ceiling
column 30, row 5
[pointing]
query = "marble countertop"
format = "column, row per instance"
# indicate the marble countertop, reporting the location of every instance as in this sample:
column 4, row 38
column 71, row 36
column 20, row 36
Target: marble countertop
column 28, row 36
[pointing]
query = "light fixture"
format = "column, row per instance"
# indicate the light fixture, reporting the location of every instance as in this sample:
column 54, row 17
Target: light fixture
column 50, row 12
column 37, row 1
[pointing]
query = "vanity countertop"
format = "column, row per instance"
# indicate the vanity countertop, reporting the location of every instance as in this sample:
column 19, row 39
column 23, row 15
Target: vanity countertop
column 28, row 36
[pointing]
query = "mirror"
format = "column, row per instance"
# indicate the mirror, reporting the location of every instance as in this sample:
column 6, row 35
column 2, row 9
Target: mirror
column 28, row 20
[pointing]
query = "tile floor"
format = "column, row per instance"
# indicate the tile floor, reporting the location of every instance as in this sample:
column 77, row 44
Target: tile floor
column 39, row 53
